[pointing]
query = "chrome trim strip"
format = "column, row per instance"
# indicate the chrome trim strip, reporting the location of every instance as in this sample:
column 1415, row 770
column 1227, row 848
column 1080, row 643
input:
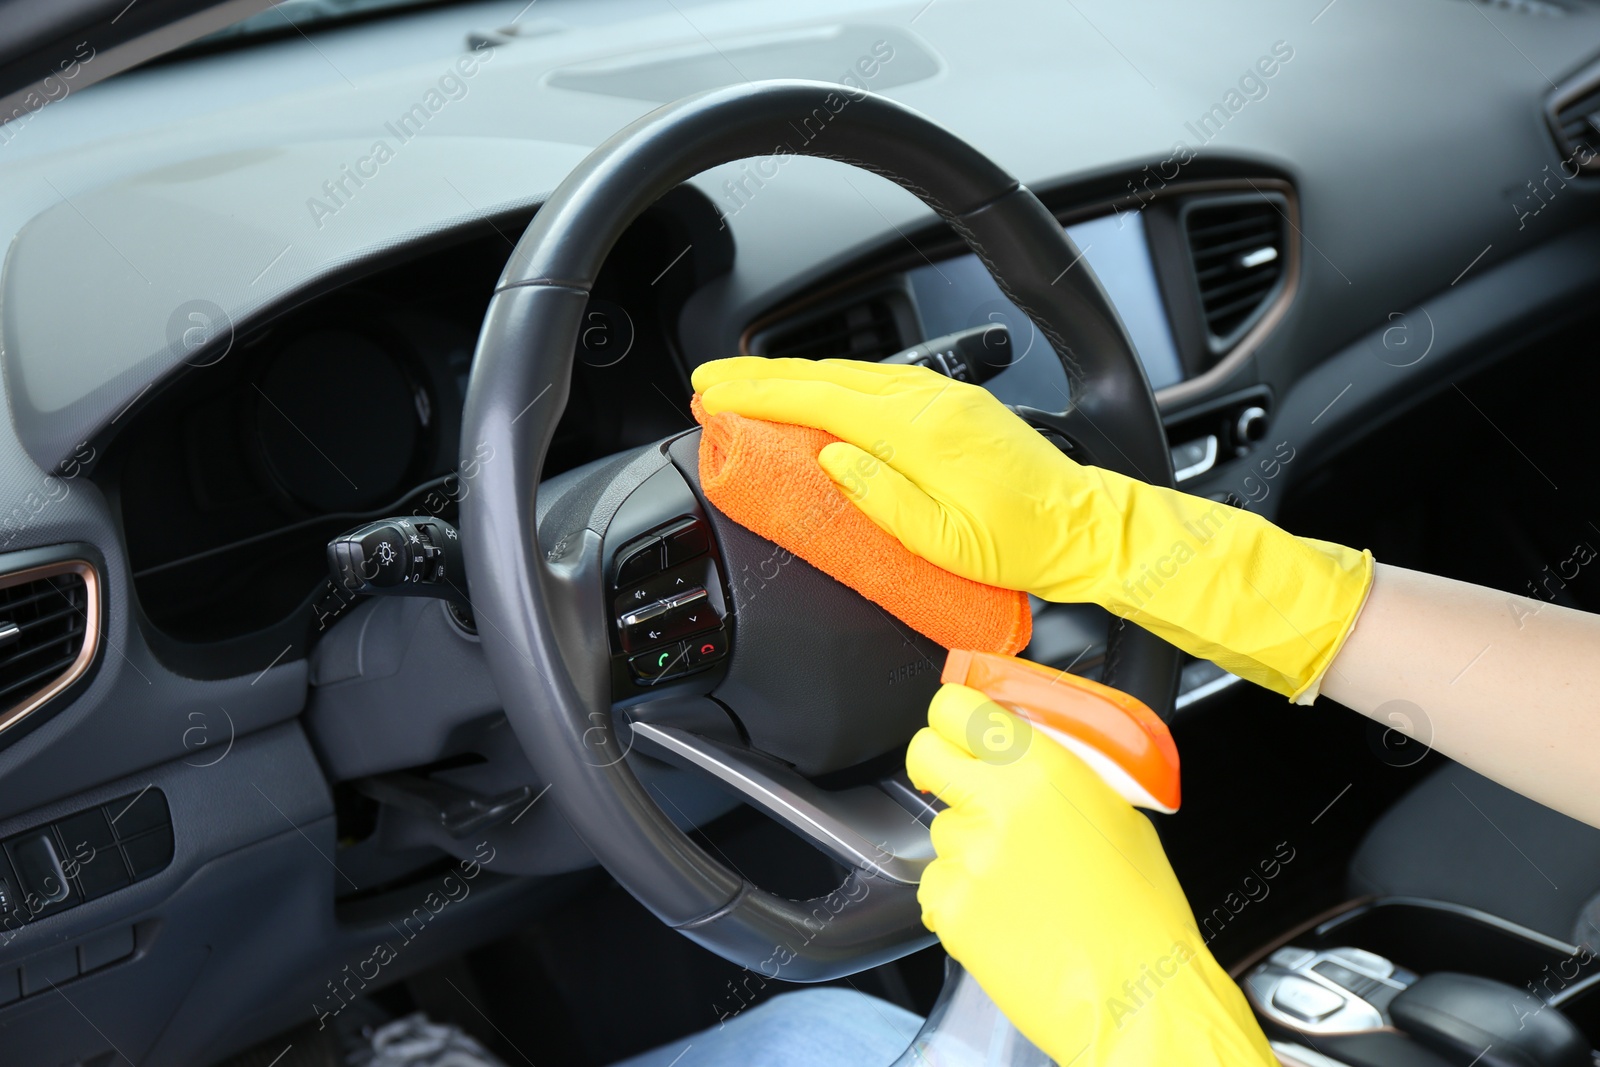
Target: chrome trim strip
column 91, row 633
column 1200, row 692
column 1486, row 918
column 862, row 827
column 1291, row 1055
column 1201, row 465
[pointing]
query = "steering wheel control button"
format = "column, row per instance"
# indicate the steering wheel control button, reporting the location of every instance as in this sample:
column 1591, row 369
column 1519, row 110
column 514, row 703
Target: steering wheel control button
column 681, row 579
column 666, row 588
column 707, row 648
column 1305, row 999
column 664, row 662
column 689, row 598
column 689, row 613
column 644, row 627
column 644, row 635
column 668, row 619
column 643, row 614
column 639, row 561
column 684, row 542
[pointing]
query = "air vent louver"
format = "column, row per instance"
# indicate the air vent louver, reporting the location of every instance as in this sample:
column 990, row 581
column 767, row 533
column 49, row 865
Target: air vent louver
column 43, row 624
column 49, row 633
column 1577, row 124
column 866, row 329
column 1238, row 248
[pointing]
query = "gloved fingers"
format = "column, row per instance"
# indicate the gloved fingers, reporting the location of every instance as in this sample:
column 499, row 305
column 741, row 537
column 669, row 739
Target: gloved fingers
column 849, row 414
column 938, row 767
column 954, row 829
column 902, row 374
column 979, row 727
column 733, row 368
column 851, row 373
column 967, row 720
column 891, row 500
column 942, row 893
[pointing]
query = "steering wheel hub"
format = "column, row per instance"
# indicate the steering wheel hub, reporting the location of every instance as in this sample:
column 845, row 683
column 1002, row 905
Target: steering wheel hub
column 811, row 672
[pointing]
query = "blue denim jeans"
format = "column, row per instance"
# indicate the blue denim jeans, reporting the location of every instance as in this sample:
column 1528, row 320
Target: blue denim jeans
column 809, row 1028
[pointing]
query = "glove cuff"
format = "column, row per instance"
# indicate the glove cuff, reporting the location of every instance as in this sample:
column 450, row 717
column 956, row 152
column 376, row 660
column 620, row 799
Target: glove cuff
column 1365, row 569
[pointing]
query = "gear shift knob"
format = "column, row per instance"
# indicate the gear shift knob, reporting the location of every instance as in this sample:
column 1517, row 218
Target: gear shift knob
column 1468, row 1019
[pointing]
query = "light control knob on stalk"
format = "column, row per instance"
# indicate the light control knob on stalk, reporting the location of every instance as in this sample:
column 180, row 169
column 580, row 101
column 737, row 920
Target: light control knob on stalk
column 406, row 556
column 974, row 355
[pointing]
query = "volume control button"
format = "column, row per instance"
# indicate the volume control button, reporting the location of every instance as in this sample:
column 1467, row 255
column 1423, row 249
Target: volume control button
column 644, row 614
column 685, row 599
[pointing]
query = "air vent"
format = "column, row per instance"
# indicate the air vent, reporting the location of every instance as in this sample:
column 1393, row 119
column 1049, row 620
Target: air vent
column 49, row 626
column 866, row 329
column 1239, row 249
column 1575, row 118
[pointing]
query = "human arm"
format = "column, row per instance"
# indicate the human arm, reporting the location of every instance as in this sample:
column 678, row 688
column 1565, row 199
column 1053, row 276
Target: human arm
column 963, row 482
column 1507, row 685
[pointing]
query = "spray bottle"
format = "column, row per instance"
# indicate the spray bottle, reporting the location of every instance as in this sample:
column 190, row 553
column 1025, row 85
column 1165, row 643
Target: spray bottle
column 1119, row 738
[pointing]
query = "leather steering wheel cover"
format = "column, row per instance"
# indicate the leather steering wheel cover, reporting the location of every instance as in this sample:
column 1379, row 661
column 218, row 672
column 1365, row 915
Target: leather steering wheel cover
column 541, row 613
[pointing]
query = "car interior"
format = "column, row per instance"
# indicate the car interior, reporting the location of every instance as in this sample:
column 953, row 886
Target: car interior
column 368, row 646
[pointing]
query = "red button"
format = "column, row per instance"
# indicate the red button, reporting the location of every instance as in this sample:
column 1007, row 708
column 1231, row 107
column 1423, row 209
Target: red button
column 705, row 648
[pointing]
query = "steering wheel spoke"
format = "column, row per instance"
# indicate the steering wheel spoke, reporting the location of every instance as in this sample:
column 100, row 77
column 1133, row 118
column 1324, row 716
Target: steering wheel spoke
column 862, row 827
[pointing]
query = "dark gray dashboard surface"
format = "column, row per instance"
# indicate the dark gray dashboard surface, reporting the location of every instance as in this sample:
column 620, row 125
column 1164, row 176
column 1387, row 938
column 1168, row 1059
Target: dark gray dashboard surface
column 198, row 184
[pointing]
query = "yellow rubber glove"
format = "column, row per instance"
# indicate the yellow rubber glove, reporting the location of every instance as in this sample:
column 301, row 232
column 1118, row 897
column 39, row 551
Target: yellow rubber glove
column 1055, row 894
column 965, row 483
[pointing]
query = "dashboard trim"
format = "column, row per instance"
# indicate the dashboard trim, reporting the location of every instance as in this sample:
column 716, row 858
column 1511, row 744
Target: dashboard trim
column 1585, row 81
column 1169, row 397
column 91, row 633
column 1197, row 387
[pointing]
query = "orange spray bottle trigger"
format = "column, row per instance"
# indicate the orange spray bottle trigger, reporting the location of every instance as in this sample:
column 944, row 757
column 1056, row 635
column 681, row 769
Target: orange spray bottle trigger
column 1117, row 735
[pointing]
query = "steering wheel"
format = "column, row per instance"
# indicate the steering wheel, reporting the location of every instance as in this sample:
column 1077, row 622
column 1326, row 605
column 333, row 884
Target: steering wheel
column 801, row 676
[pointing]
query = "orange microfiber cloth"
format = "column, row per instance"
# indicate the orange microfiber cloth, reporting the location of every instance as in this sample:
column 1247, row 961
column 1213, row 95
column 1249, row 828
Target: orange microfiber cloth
column 765, row 476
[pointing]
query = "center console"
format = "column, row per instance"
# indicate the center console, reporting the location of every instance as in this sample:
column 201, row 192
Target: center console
column 1406, row 982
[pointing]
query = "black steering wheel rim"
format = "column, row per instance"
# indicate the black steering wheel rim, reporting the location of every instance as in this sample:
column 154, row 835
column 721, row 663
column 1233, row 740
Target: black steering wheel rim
column 539, row 596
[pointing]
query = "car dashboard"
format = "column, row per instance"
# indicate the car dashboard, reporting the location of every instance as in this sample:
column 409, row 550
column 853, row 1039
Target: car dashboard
column 233, row 329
